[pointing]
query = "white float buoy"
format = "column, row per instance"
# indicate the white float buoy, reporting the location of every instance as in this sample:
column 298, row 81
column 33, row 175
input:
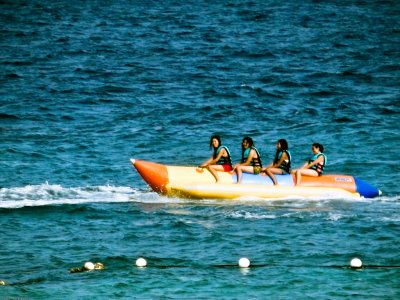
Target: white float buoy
column 141, row 262
column 356, row 263
column 89, row 266
column 244, row 262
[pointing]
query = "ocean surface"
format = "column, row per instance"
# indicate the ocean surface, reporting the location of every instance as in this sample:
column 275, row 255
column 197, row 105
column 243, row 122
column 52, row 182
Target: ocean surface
column 87, row 85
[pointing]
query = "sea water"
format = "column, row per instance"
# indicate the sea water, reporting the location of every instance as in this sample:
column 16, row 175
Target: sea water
column 87, row 85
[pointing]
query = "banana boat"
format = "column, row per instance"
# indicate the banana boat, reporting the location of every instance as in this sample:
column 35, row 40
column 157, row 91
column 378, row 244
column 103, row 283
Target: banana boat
column 194, row 183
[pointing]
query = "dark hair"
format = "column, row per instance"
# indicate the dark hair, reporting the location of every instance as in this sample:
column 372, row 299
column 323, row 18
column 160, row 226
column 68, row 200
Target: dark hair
column 217, row 137
column 319, row 146
column 284, row 146
column 249, row 140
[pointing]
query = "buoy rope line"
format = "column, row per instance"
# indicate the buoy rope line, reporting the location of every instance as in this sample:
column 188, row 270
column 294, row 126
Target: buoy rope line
column 243, row 263
column 363, row 267
column 289, row 266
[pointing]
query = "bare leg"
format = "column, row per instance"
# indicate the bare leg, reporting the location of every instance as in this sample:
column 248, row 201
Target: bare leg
column 307, row 172
column 239, row 174
column 213, row 170
column 271, row 171
column 298, row 177
column 213, row 173
column 241, row 169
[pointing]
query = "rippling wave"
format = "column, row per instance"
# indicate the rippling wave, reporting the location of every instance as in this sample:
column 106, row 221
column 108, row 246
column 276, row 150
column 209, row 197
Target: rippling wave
column 87, row 85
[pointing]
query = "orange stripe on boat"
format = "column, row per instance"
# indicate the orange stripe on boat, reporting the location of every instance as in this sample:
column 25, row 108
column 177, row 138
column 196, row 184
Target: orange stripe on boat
column 332, row 181
column 156, row 175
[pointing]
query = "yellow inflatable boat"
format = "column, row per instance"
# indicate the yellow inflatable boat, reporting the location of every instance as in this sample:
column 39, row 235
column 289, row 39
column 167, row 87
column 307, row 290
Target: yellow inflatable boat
column 191, row 182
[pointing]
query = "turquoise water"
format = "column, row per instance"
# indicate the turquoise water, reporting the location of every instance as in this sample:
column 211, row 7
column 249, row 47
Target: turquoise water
column 87, row 85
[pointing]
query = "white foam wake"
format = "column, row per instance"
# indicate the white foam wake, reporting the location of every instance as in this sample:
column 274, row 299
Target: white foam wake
column 53, row 194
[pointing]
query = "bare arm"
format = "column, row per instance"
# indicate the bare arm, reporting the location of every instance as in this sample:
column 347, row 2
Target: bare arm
column 249, row 159
column 280, row 161
column 320, row 159
column 212, row 161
